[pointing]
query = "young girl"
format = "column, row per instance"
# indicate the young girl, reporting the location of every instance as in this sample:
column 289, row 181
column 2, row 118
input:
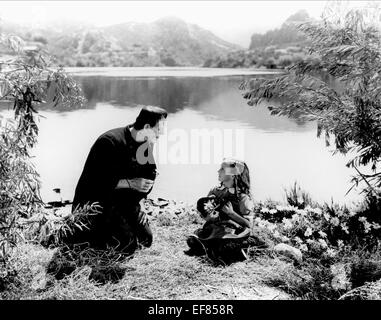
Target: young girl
column 228, row 211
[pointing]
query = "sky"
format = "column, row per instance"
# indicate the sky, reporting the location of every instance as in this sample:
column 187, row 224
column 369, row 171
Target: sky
column 233, row 21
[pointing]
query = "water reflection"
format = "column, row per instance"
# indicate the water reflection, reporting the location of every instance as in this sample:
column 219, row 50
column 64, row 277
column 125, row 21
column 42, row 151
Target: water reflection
column 278, row 150
column 217, row 97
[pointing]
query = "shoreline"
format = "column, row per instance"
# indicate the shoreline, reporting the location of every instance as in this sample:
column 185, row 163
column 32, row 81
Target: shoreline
column 154, row 72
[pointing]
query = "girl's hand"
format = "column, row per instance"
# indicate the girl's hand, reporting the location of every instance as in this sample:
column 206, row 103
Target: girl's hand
column 209, row 210
column 228, row 208
column 211, row 217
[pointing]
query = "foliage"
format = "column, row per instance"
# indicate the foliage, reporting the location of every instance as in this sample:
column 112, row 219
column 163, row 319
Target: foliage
column 26, row 80
column 297, row 197
column 105, row 264
column 309, row 282
column 49, row 227
column 370, row 291
column 156, row 267
column 340, row 245
column 349, row 51
column 271, row 57
column 324, row 229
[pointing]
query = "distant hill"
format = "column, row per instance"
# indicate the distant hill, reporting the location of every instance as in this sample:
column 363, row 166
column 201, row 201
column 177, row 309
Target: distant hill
column 286, row 35
column 275, row 49
column 166, row 42
column 186, row 44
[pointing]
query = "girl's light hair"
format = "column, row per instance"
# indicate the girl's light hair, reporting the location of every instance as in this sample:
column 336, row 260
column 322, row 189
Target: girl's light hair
column 240, row 172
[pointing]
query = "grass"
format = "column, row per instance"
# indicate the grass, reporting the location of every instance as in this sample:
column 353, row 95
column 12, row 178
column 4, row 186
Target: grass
column 162, row 271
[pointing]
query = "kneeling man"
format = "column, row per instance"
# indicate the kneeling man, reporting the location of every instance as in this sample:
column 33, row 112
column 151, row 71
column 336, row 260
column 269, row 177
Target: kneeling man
column 119, row 172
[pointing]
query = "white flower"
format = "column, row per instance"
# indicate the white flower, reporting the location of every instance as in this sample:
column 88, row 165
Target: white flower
column 273, row 211
column 326, row 216
column 323, row 243
column 308, row 232
column 331, row 253
column 376, row 226
column 362, row 219
column 335, row 221
column 339, row 213
column 322, row 234
column 297, row 239
column 276, row 234
column 265, row 210
column 286, row 208
column 317, row 211
column 287, row 224
column 340, row 243
column 344, row 227
column 301, row 212
column 367, row 226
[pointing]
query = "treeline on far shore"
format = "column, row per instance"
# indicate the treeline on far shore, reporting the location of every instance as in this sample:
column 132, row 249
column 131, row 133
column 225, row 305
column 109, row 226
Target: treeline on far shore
column 270, row 57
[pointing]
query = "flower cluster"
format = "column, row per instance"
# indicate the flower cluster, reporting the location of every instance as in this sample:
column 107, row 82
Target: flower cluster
column 315, row 230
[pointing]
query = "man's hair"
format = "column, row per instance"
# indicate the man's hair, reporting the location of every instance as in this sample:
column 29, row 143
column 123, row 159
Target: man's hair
column 149, row 115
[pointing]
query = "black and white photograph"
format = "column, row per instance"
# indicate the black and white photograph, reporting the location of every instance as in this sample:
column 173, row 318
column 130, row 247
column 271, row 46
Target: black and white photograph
column 205, row 151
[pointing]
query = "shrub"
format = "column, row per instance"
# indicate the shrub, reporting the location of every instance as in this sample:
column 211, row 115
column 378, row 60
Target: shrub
column 26, row 81
column 285, row 61
column 340, row 245
column 317, row 229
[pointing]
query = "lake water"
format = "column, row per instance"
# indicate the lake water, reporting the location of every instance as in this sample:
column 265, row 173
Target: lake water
column 277, row 150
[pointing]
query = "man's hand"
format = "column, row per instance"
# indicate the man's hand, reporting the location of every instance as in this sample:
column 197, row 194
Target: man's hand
column 143, row 218
column 139, row 184
column 122, row 184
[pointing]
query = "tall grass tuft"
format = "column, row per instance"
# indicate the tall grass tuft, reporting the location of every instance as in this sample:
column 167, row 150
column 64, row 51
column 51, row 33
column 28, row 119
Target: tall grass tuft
column 297, row 197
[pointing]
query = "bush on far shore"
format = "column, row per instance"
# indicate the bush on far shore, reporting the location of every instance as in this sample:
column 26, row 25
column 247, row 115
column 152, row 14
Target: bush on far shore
column 271, row 57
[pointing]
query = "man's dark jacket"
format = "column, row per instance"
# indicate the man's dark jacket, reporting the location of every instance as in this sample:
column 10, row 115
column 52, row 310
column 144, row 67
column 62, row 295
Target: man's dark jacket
column 111, row 158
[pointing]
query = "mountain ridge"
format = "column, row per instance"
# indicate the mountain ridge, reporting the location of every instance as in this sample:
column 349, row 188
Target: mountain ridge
column 187, row 44
column 287, row 34
column 275, row 49
column 168, row 41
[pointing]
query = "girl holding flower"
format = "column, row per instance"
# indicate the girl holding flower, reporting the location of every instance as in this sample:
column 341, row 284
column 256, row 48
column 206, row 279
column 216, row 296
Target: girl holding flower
column 228, row 212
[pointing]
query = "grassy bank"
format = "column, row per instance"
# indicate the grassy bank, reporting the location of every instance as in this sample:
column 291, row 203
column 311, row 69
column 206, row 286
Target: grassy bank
column 162, row 271
column 332, row 266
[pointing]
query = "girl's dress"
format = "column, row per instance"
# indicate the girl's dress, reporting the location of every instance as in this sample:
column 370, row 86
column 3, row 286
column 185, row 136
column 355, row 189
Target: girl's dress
column 223, row 238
